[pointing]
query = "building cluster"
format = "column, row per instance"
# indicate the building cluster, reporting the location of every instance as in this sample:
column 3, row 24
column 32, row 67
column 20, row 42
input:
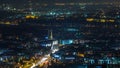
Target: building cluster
column 77, row 34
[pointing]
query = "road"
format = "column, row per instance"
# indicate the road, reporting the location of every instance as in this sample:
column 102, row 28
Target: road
column 44, row 60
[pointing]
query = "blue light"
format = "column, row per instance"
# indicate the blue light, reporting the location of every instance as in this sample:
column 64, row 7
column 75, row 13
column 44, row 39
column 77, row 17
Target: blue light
column 70, row 41
column 67, row 42
column 72, row 29
column 56, row 56
column 51, row 13
column 46, row 37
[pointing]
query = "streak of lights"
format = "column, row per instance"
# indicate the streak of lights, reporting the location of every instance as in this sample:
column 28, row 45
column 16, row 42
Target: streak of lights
column 41, row 61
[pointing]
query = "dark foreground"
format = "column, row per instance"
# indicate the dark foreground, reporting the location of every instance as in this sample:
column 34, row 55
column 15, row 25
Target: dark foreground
column 84, row 66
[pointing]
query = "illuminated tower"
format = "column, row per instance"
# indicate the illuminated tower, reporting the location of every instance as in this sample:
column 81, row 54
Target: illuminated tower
column 50, row 34
column 50, row 37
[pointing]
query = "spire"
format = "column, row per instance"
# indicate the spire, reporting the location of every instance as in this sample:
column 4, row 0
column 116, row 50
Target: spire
column 51, row 35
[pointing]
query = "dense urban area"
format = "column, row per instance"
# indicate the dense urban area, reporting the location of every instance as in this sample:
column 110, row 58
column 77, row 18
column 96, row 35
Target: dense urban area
column 60, row 35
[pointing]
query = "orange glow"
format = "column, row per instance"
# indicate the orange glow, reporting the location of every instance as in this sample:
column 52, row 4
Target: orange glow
column 103, row 20
column 111, row 20
column 28, row 16
column 100, row 20
column 8, row 23
column 31, row 16
column 89, row 19
column 81, row 55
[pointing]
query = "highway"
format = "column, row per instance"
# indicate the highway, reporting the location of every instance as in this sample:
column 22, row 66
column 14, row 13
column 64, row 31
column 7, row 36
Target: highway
column 42, row 61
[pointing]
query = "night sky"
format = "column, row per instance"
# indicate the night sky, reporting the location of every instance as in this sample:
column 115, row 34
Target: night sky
column 52, row 1
column 19, row 3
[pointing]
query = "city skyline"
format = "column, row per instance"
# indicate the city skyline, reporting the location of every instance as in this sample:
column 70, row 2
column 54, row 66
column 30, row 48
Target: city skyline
column 59, row 33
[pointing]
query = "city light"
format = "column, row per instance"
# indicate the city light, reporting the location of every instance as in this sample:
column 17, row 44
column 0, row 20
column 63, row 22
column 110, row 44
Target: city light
column 59, row 33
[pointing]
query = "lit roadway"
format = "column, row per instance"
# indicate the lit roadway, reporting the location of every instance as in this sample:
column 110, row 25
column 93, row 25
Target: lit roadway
column 43, row 60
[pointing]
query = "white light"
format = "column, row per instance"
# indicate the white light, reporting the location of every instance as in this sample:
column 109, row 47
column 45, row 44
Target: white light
column 33, row 66
column 55, row 42
column 56, row 56
column 41, row 61
column 54, row 50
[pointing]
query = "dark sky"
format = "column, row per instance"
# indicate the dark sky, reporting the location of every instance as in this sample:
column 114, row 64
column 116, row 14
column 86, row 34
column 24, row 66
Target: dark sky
column 21, row 2
column 50, row 1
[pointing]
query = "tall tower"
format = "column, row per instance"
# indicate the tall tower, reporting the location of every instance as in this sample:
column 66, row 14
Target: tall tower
column 50, row 34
